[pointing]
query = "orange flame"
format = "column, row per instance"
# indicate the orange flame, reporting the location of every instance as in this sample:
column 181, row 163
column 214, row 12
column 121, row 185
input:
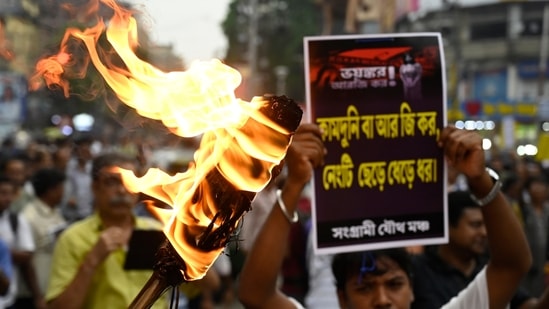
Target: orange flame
column 238, row 141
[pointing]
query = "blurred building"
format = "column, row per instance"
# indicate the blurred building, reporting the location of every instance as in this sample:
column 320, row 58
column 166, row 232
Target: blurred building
column 493, row 54
column 33, row 29
column 18, row 18
column 363, row 16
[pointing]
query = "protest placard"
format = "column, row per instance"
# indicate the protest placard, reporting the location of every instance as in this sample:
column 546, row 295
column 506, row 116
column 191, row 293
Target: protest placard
column 381, row 103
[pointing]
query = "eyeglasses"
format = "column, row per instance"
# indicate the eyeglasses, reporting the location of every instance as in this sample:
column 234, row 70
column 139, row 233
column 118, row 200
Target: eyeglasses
column 110, row 180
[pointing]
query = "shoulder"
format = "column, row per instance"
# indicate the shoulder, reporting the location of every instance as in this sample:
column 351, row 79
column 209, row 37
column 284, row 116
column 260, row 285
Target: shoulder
column 431, row 268
column 28, row 209
column 88, row 223
column 23, row 223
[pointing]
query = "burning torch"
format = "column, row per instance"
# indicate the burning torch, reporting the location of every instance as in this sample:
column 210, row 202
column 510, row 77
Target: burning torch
column 241, row 147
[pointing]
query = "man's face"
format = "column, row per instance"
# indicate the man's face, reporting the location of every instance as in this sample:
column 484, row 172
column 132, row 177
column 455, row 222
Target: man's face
column 58, row 193
column 390, row 290
column 15, row 170
column 470, row 233
column 7, row 194
column 110, row 196
column 83, row 152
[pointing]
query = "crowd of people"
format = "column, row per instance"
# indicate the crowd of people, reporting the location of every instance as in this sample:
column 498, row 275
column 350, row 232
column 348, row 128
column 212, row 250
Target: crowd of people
column 66, row 220
column 488, row 262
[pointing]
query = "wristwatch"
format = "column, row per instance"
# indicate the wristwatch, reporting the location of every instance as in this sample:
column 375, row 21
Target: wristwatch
column 493, row 192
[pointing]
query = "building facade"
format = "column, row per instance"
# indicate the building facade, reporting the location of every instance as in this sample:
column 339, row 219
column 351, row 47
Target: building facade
column 494, row 54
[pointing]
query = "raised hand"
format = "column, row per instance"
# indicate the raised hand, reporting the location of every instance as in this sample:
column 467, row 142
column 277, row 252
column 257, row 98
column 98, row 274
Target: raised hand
column 110, row 239
column 306, row 152
column 463, row 150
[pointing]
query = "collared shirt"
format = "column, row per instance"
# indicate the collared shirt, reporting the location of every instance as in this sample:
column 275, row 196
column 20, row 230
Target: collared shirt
column 22, row 199
column 112, row 286
column 46, row 224
column 436, row 282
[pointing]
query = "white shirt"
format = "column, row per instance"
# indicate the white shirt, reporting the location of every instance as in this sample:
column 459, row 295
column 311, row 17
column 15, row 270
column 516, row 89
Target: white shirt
column 322, row 292
column 475, row 295
column 22, row 240
column 46, row 224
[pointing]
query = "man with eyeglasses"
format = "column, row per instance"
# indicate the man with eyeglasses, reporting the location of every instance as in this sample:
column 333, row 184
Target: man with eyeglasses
column 88, row 263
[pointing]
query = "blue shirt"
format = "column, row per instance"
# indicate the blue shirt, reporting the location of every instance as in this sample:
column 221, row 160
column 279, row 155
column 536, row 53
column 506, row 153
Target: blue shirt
column 5, row 260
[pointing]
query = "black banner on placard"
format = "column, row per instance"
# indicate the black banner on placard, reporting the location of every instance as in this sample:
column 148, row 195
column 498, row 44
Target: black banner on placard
column 380, row 101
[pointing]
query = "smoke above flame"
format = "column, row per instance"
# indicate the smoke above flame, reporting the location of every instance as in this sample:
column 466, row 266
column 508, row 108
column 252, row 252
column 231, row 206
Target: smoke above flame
column 240, row 145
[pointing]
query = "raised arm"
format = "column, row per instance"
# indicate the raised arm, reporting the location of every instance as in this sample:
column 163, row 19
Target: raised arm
column 510, row 256
column 257, row 286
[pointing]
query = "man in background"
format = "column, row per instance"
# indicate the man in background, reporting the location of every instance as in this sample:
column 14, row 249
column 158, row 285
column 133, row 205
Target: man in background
column 88, row 260
column 16, row 232
column 46, row 222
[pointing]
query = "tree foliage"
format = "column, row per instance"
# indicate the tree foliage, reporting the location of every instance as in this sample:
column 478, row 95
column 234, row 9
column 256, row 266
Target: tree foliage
column 280, row 33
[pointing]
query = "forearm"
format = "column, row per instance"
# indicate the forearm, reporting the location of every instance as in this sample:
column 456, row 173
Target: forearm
column 508, row 245
column 264, row 261
column 29, row 275
column 507, row 242
column 74, row 294
column 21, row 257
column 510, row 256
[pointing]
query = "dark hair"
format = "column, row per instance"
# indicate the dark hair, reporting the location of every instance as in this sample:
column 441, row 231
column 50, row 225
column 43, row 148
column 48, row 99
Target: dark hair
column 457, row 202
column 8, row 158
column 346, row 265
column 45, row 179
column 108, row 160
